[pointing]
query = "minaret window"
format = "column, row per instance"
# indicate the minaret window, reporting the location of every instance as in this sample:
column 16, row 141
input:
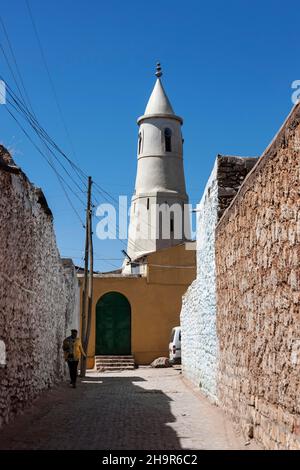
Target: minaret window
column 172, row 225
column 168, row 137
column 148, row 203
column 140, row 144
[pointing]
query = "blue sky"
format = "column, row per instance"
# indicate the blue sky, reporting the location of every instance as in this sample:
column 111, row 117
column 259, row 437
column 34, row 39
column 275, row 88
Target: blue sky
column 228, row 68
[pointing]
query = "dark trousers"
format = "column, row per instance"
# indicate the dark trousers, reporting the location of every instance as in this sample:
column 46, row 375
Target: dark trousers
column 73, row 370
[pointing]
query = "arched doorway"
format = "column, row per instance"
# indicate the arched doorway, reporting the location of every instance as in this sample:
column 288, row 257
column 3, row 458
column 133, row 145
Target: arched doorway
column 113, row 325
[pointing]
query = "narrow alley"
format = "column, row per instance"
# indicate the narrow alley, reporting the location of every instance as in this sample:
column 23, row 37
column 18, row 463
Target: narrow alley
column 149, row 232
column 141, row 409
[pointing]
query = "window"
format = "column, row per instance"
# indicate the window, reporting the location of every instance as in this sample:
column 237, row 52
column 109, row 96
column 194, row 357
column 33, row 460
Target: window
column 168, row 136
column 172, row 225
column 140, row 143
column 148, row 201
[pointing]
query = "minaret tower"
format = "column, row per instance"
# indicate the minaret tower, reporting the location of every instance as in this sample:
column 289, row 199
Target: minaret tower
column 158, row 218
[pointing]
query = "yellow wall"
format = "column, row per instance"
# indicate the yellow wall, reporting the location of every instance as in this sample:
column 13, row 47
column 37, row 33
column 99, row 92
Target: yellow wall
column 155, row 301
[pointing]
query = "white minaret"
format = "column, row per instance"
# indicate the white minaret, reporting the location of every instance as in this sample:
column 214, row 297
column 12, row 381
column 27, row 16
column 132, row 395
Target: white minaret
column 157, row 213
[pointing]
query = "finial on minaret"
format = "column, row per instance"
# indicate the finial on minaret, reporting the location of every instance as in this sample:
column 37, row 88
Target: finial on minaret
column 158, row 72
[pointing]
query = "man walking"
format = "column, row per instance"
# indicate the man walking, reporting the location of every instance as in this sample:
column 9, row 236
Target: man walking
column 73, row 350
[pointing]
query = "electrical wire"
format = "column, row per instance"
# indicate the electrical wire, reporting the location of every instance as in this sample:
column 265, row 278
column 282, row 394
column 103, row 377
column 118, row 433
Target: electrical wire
column 59, row 162
column 22, row 108
column 60, row 178
column 49, row 75
column 15, row 62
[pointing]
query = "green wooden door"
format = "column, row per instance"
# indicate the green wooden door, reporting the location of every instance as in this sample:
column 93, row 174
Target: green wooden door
column 113, row 325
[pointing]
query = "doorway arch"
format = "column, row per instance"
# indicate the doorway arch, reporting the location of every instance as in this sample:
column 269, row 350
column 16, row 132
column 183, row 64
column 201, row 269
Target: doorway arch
column 113, row 325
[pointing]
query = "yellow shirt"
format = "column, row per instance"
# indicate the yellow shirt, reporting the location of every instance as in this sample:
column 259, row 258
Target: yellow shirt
column 73, row 349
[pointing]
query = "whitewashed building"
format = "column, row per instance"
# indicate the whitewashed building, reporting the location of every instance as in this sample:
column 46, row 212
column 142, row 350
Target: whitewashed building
column 198, row 315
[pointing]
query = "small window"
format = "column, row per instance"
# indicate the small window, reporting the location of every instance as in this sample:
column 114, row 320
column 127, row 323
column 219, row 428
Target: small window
column 172, row 225
column 148, row 203
column 168, row 137
column 140, row 143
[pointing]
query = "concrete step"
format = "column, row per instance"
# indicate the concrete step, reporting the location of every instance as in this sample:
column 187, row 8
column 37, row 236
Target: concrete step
column 114, row 357
column 114, row 362
column 101, row 367
column 120, row 364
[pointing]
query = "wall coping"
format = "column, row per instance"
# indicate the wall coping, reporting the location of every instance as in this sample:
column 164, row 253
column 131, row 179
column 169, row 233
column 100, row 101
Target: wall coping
column 8, row 165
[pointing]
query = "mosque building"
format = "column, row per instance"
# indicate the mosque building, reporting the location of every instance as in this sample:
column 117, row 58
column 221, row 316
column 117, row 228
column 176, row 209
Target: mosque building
column 136, row 307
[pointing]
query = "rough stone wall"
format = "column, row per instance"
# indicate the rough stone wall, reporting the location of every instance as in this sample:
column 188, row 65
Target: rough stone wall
column 33, row 294
column 258, row 296
column 199, row 343
column 72, row 292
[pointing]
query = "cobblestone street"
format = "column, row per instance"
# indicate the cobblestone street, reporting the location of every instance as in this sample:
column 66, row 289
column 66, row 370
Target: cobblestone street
column 140, row 409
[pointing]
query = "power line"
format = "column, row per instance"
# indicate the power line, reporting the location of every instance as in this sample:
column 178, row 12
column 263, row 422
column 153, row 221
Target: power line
column 31, row 114
column 42, row 134
column 15, row 62
column 11, row 71
column 45, row 138
column 60, row 178
column 32, row 120
column 133, row 245
column 49, row 76
column 107, row 195
column 50, row 157
column 53, row 154
column 18, row 107
column 21, row 107
column 117, row 202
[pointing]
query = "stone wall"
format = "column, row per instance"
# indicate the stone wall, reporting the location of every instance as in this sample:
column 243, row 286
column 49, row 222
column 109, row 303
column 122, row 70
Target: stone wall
column 34, row 297
column 72, row 292
column 258, row 296
column 198, row 315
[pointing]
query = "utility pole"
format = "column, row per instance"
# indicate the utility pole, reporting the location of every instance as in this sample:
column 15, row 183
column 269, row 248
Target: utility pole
column 90, row 286
column 88, row 278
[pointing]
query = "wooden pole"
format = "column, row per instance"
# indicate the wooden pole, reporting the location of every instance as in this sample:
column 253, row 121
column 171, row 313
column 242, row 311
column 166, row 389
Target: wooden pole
column 85, row 280
column 90, row 285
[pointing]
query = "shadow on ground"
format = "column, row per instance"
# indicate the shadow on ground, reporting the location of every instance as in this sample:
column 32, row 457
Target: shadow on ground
column 102, row 413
